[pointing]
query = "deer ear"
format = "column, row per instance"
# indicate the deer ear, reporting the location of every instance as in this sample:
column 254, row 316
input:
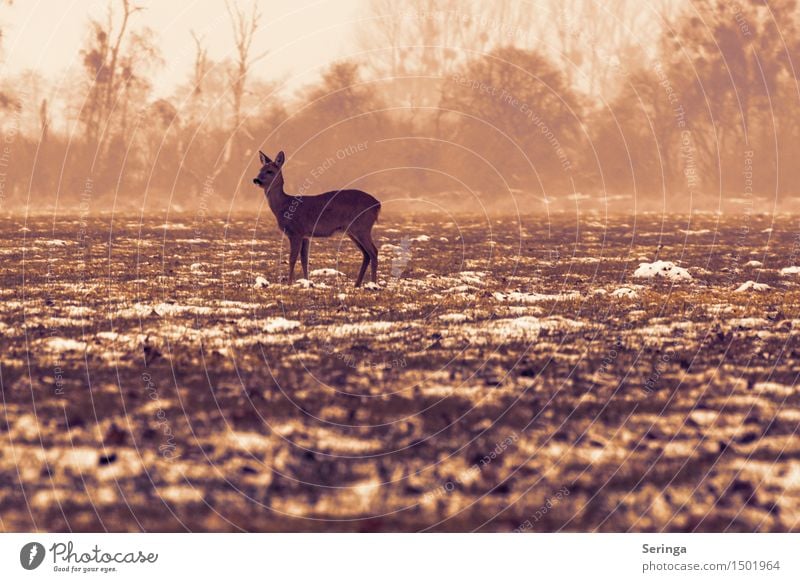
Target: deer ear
column 280, row 158
column 263, row 157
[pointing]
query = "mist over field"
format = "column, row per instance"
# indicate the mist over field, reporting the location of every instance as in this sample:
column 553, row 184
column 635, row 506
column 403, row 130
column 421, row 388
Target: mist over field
column 557, row 287
column 503, row 106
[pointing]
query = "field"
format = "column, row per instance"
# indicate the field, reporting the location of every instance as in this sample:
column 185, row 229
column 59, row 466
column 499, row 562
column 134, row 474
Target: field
column 507, row 374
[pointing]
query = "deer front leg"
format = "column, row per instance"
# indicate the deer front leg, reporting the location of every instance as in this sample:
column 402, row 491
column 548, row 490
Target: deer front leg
column 295, row 244
column 304, row 257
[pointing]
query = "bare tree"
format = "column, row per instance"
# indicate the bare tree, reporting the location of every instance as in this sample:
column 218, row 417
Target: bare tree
column 594, row 40
column 115, row 60
column 201, row 64
column 245, row 25
column 419, row 43
column 6, row 101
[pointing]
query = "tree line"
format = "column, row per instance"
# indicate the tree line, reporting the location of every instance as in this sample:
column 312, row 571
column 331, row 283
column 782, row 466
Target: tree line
column 444, row 98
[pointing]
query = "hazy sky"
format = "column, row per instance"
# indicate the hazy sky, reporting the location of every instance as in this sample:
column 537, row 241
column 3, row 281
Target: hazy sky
column 300, row 35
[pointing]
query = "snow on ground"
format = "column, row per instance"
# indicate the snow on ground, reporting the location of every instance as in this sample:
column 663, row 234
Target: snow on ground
column 223, row 308
column 366, row 328
column 453, row 317
column 625, row 292
column 473, row 277
column 278, row 324
column 459, row 289
column 662, row 269
column 790, row 271
column 519, row 297
column 752, row 286
column 326, row 273
column 63, row 344
column 584, row 260
column 484, row 354
column 524, row 328
column 754, row 264
column 79, row 311
column 261, row 283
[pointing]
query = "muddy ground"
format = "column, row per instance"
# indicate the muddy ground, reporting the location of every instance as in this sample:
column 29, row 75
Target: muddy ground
column 508, row 374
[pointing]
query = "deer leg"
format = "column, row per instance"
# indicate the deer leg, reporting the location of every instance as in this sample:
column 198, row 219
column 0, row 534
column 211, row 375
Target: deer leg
column 372, row 250
column 294, row 249
column 304, row 257
column 364, row 262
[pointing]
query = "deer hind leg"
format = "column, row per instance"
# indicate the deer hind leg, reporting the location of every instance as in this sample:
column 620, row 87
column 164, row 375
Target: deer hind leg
column 372, row 251
column 364, row 262
column 304, row 257
column 295, row 245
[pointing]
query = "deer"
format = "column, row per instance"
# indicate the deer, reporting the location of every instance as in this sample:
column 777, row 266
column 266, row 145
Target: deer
column 300, row 218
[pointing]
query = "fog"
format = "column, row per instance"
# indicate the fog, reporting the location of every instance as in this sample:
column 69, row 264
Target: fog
column 514, row 106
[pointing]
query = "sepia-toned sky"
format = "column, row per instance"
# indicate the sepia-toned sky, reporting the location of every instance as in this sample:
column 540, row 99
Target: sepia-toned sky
column 300, row 35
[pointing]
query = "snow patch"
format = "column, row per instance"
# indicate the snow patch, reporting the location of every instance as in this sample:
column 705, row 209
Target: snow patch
column 524, row 328
column 278, row 324
column 326, row 273
column 365, row 328
column 454, row 317
column 261, row 283
column 790, row 271
column 472, row 277
column 625, row 292
column 519, row 297
column 63, row 344
column 665, row 269
column 752, row 286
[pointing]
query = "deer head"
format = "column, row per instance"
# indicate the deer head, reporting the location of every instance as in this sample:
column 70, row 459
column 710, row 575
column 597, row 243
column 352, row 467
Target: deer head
column 270, row 173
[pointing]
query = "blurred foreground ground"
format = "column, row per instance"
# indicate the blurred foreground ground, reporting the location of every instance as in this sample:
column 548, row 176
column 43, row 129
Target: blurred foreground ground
column 508, row 374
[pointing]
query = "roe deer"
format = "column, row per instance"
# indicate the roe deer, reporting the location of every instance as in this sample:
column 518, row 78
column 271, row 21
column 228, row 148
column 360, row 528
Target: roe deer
column 301, row 217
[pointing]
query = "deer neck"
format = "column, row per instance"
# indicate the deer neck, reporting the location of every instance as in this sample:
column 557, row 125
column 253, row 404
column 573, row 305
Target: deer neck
column 276, row 197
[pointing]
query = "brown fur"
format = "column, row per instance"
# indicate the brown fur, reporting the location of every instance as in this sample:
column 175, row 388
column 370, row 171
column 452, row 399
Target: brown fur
column 300, row 218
